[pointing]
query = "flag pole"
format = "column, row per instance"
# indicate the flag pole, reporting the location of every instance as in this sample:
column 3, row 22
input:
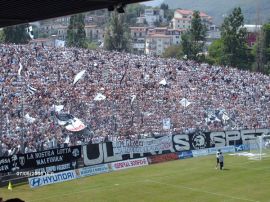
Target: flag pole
column 22, row 123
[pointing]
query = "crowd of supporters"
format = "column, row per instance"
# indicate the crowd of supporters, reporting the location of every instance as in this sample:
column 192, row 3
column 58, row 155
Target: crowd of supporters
column 137, row 103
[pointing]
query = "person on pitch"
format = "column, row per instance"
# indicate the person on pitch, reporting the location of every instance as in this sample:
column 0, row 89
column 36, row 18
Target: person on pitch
column 217, row 156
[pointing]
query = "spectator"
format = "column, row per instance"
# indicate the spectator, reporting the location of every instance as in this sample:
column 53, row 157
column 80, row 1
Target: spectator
column 135, row 104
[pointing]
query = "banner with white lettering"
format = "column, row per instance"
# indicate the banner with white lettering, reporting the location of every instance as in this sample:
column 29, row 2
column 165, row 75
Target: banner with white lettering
column 58, row 168
column 52, row 178
column 41, row 159
column 148, row 145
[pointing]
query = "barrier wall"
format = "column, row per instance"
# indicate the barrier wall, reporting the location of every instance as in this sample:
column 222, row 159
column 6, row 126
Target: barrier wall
column 56, row 160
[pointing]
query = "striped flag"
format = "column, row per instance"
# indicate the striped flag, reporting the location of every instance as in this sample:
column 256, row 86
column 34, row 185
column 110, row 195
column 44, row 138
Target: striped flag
column 31, row 90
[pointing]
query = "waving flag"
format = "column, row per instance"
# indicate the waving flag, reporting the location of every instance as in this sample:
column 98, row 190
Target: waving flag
column 31, row 90
column 57, row 108
column 78, row 76
column 20, row 69
column 99, row 97
column 132, row 98
column 184, row 102
column 70, row 122
column 163, row 82
column 29, row 119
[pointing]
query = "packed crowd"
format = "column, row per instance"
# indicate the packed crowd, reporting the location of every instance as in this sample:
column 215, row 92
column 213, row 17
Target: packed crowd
column 136, row 103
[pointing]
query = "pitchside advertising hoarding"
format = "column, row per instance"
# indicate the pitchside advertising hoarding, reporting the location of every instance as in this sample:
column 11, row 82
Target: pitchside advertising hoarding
column 52, row 178
column 132, row 163
column 92, row 170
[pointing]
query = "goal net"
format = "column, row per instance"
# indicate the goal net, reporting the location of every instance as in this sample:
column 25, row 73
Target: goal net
column 260, row 147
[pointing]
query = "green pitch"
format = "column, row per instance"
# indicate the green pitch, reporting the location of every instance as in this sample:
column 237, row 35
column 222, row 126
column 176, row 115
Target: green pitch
column 190, row 180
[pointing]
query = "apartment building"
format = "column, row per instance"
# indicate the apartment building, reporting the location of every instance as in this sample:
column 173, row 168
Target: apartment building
column 151, row 16
column 160, row 38
column 93, row 32
column 138, row 35
column 182, row 19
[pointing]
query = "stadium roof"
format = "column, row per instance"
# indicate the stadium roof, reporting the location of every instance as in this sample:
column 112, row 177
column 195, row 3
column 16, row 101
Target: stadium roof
column 23, row 11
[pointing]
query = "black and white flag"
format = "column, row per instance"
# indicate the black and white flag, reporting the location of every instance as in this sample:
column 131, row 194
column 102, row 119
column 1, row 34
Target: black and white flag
column 31, row 90
column 70, row 122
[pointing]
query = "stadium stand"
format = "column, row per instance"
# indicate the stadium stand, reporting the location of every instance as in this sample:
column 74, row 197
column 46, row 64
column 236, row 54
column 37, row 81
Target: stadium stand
column 136, row 103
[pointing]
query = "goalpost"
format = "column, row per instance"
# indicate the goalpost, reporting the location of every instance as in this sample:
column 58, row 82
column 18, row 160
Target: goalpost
column 260, row 147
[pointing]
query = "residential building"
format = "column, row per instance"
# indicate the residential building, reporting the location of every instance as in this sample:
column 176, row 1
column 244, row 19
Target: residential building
column 156, row 44
column 182, row 19
column 252, row 33
column 138, row 35
column 160, row 38
column 212, row 34
column 151, row 16
column 93, row 32
column 47, row 42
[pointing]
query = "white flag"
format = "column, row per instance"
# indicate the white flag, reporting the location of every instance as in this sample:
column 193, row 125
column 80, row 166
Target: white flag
column 166, row 124
column 99, row 97
column 163, row 82
column 67, row 139
column 133, row 98
column 78, row 76
column 29, row 119
column 20, row 69
column 58, row 108
column 184, row 102
column 225, row 116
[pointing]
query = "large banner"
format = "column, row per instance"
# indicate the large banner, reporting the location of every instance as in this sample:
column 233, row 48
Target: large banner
column 197, row 142
column 148, row 145
column 202, row 140
column 42, row 161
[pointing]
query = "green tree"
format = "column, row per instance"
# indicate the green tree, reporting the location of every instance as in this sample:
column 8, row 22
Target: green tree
column 117, row 36
column 132, row 12
column 215, row 52
column 164, row 6
column 76, row 36
column 234, row 35
column 168, row 13
column 2, row 36
column 193, row 40
column 174, row 51
column 17, row 34
column 261, row 50
column 92, row 45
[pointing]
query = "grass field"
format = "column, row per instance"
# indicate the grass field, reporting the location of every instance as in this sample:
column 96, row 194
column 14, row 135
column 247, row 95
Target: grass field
column 194, row 180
